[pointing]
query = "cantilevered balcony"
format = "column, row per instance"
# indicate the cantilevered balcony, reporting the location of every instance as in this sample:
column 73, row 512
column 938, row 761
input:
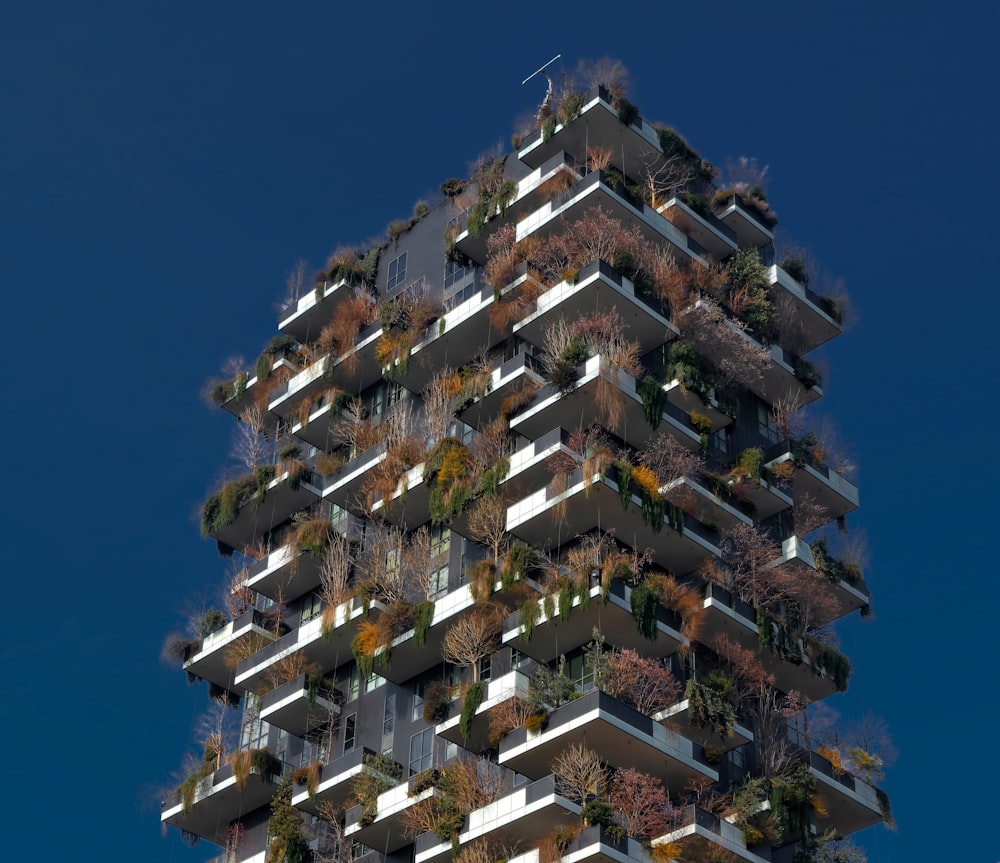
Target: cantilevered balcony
column 766, row 496
column 514, row 684
column 246, row 387
column 451, row 341
column 290, row 491
column 526, row 814
column 728, row 616
column 213, row 658
column 599, row 287
column 706, row 506
column 594, row 191
column 285, row 573
column 334, row 785
column 327, row 646
column 778, row 378
column 387, row 832
column 700, row 833
column 531, row 466
column 506, row 379
column 344, row 487
column 851, row 803
column 553, row 408
column 713, row 235
column 689, row 402
column 305, row 318
column 593, row 844
column 552, row 515
column 836, row 495
column 216, row 801
column 635, row 144
column 678, row 718
column 298, row 707
column 742, row 219
column 404, row 659
column 850, row 595
column 624, row 737
column 551, row 637
column 813, row 322
column 530, row 195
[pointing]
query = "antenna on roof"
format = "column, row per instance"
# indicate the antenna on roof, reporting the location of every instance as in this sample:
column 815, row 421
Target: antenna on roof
column 544, row 109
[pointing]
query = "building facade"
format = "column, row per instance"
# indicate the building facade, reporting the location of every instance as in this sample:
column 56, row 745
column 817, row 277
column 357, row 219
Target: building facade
column 524, row 567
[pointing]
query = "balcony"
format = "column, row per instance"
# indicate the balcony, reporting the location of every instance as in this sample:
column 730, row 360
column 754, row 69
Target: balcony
column 386, row 833
column 334, row 785
column 530, row 811
column 713, row 235
column 542, row 520
column 778, row 378
column 452, row 340
column 836, row 495
column 624, row 737
column 594, row 191
column 404, row 660
column 286, row 494
column 344, row 487
column 729, row 616
column 410, row 504
column 741, row 219
column 553, row 637
column 506, row 379
column 328, row 647
column 708, row 508
column 511, row 685
column 284, row 573
column 304, row 318
column 701, row 834
column 598, row 287
column 814, row 324
column 852, row 804
column 297, row 708
column 689, row 402
column 593, row 844
column 850, row 595
column 530, row 194
column 552, row 408
column 216, row 802
column 678, row 718
column 214, row 658
column 635, row 144
column 766, row 497
column 244, row 396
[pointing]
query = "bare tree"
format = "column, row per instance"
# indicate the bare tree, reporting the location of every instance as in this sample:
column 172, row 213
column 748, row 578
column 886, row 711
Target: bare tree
column 250, row 443
column 335, row 570
column 663, row 177
column 472, row 638
column 579, row 772
column 487, row 524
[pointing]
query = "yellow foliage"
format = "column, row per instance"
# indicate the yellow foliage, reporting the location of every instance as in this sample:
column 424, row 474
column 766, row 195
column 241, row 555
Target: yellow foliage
column 833, row 756
column 647, row 480
column 818, row 804
column 368, row 639
column 665, row 852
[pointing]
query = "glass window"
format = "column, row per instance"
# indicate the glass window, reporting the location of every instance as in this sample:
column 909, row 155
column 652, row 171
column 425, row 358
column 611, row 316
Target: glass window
column 440, row 540
column 422, row 751
column 350, row 732
column 766, row 423
column 389, row 714
column 354, row 684
column 485, row 668
column 311, row 607
column 438, row 584
column 397, row 272
column 418, row 702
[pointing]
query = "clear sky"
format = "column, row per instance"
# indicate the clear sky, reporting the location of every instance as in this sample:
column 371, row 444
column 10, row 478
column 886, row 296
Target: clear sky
column 162, row 168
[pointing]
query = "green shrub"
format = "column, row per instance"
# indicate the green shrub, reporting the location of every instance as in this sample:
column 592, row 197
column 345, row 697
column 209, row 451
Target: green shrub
column 644, row 602
column 571, row 106
column 470, row 704
column 654, row 399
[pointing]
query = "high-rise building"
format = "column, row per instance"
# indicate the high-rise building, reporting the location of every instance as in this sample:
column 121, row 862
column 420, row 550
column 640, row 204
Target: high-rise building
column 524, row 533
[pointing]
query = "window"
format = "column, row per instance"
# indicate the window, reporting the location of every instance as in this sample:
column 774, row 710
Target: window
column 440, row 540
column 311, row 607
column 394, row 393
column 253, row 734
column 389, row 714
column 438, row 583
column 422, row 751
column 397, row 272
column 485, row 668
column 354, row 684
column 375, row 400
column 417, row 711
column 766, row 424
column 720, row 443
column 350, row 732
column 373, row 682
column 455, row 274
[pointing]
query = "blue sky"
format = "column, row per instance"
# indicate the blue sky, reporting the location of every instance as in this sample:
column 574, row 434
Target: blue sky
column 162, row 168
